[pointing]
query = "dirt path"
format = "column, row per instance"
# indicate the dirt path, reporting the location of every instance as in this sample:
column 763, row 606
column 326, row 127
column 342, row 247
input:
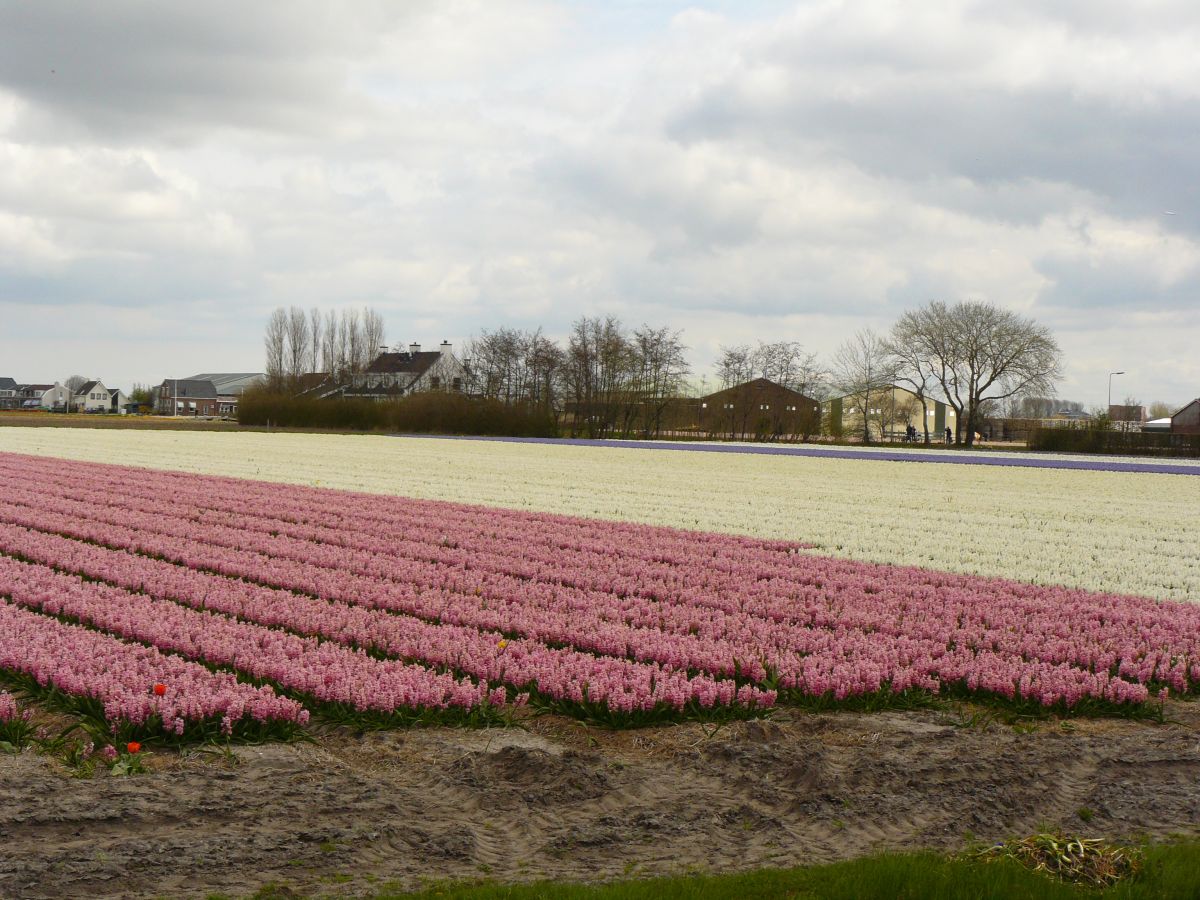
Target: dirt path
column 561, row 800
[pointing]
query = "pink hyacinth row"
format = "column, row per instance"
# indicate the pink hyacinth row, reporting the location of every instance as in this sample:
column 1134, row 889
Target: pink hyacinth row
column 856, row 650
column 328, row 672
column 664, row 599
column 121, row 676
column 557, row 673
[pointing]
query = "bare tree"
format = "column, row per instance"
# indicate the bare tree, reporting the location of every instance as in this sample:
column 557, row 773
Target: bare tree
column 736, row 365
column 276, row 347
column 978, row 352
column 912, row 367
column 374, row 336
column 595, row 374
column 515, row 366
column 659, row 370
column 787, row 363
column 353, row 341
column 298, row 341
column 331, row 360
column 316, row 328
column 864, row 370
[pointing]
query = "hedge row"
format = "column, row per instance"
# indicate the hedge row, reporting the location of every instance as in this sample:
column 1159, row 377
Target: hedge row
column 431, row 413
column 1126, row 443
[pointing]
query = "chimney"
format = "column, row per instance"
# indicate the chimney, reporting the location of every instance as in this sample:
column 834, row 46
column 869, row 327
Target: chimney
column 414, row 348
column 446, row 347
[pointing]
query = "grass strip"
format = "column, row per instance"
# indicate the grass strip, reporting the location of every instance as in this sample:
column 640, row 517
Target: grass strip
column 1169, row 871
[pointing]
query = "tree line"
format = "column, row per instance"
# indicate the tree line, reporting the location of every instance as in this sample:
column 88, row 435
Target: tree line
column 609, row 379
column 338, row 344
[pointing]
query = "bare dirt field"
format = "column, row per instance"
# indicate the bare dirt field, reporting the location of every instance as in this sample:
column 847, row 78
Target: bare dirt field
column 556, row 799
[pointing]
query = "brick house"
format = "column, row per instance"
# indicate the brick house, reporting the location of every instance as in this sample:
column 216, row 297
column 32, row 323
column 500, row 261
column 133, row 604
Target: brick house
column 187, row 397
column 1187, row 420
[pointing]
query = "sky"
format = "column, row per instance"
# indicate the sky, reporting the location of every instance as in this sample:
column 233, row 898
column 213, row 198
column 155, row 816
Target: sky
column 740, row 171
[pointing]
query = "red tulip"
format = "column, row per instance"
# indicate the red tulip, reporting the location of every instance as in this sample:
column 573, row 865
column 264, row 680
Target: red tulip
column 133, row 747
column 159, row 690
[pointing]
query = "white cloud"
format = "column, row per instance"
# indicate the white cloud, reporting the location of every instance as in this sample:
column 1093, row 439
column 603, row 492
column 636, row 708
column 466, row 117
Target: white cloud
column 736, row 171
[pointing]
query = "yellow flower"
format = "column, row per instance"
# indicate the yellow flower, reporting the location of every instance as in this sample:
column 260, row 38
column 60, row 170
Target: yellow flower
column 502, row 644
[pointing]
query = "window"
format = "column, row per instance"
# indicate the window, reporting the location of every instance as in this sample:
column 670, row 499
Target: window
column 764, row 406
column 457, row 384
column 791, row 409
column 729, row 406
column 435, row 382
column 704, row 406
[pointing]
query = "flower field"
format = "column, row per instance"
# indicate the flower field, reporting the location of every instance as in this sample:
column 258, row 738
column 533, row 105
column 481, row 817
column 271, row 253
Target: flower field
column 1099, row 530
column 178, row 603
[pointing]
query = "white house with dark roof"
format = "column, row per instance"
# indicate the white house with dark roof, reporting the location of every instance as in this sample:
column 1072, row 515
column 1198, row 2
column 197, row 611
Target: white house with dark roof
column 399, row 373
column 92, row 396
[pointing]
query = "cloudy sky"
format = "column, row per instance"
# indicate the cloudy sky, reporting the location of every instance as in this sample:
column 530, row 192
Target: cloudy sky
column 740, row 170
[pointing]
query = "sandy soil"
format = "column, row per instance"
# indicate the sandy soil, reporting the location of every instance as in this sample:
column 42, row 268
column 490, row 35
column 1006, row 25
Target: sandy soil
column 558, row 799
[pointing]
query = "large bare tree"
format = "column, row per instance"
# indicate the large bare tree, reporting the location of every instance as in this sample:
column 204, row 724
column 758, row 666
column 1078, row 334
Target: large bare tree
column 864, row 370
column 980, row 354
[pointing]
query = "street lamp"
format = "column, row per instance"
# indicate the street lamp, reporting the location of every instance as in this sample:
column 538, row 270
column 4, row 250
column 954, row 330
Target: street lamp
column 1110, row 377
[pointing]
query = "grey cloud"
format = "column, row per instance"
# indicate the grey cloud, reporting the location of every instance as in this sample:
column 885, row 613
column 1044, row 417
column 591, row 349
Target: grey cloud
column 129, row 69
column 1139, row 161
column 1105, row 287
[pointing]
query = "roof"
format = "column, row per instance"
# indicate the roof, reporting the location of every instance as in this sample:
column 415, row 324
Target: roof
column 112, row 392
column 230, row 382
column 406, row 363
column 191, row 388
column 86, row 388
column 761, row 385
column 37, row 387
column 8, row 384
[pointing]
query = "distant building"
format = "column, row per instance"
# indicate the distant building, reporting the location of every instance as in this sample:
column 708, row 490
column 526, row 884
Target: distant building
column 208, row 394
column 757, row 410
column 117, row 401
column 188, row 397
column 231, row 384
column 10, row 394
column 891, row 411
column 92, row 396
column 1187, row 420
column 400, row 373
column 43, row 396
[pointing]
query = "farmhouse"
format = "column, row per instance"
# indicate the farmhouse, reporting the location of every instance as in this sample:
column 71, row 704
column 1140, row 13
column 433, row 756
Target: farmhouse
column 399, row 373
